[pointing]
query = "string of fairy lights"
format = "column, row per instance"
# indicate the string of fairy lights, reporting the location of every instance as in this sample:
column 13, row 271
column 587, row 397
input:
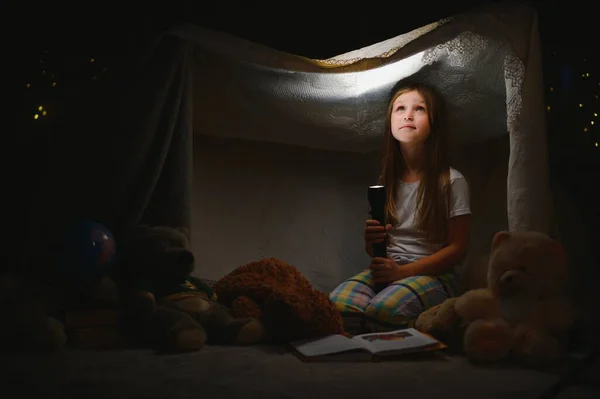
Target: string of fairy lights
column 591, row 109
column 44, row 91
column 49, row 80
column 573, row 96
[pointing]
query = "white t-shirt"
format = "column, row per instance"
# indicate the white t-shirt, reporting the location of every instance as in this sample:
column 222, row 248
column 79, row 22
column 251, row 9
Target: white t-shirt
column 406, row 244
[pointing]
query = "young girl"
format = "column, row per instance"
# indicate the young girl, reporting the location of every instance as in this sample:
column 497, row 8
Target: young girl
column 428, row 220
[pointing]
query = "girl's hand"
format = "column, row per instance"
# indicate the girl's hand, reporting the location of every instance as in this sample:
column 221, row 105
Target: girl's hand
column 375, row 232
column 386, row 270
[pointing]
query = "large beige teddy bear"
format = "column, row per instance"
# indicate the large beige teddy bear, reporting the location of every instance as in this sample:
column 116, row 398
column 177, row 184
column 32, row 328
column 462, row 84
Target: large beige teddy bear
column 525, row 313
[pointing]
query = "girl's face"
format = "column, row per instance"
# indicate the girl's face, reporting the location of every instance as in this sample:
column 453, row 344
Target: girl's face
column 409, row 119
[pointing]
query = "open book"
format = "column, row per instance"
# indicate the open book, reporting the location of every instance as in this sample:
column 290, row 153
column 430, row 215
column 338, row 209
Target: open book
column 366, row 347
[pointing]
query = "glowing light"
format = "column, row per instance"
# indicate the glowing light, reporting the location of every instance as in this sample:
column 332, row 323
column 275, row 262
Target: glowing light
column 596, row 144
column 28, row 86
column 580, row 105
column 44, row 113
column 53, row 84
column 40, row 108
column 591, row 122
column 585, row 129
column 548, row 108
column 551, row 88
column 360, row 83
column 595, row 114
column 92, row 59
column 36, row 116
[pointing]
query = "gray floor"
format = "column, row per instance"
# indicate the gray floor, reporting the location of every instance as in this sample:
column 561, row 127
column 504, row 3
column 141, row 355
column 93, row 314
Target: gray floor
column 267, row 372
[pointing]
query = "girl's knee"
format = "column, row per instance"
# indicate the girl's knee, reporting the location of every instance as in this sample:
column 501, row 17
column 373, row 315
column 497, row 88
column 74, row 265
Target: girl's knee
column 332, row 296
column 379, row 310
column 401, row 304
column 403, row 309
column 337, row 301
column 351, row 297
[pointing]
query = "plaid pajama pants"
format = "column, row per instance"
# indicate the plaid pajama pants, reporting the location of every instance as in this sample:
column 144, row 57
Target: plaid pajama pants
column 396, row 306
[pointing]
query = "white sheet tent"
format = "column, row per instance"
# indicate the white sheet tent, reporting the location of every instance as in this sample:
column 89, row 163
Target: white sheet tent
column 268, row 154
column 298, row 190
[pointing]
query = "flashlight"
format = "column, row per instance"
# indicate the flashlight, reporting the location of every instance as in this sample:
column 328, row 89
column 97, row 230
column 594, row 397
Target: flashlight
column 377, row 201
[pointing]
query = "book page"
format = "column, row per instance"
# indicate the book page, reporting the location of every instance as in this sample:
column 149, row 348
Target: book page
column 327, row 345
column 396, row 341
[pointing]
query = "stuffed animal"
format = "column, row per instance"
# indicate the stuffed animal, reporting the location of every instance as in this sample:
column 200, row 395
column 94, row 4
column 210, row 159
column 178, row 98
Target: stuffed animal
column 27, row 322
column 279, row 295
column 170, row 309
column 525, row 313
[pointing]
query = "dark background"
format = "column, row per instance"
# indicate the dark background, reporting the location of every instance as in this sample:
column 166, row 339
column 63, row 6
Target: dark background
column 56, row 43
column 62, row 50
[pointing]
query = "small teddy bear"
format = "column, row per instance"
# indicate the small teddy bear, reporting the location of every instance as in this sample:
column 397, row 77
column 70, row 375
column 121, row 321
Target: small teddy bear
column 170, row 309
column 525, row 312
column 28, row 325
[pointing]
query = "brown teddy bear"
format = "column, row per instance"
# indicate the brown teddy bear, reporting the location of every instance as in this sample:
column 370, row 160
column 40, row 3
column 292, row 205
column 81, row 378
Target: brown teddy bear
column 525, row 312
column 279, row 295
column 170, row 309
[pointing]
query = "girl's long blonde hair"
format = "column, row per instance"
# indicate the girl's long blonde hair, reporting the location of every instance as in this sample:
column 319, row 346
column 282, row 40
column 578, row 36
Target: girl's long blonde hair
column 434, row 189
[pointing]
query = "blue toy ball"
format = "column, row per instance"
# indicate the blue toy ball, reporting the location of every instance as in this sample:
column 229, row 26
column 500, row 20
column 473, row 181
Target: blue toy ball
column 87, row 251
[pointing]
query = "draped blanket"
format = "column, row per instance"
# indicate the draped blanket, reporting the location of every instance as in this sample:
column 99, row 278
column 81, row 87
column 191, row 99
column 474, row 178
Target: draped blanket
column 262, row 153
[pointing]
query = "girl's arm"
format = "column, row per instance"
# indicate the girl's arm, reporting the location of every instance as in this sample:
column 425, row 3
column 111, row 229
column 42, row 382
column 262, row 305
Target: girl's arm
column 446, row 258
